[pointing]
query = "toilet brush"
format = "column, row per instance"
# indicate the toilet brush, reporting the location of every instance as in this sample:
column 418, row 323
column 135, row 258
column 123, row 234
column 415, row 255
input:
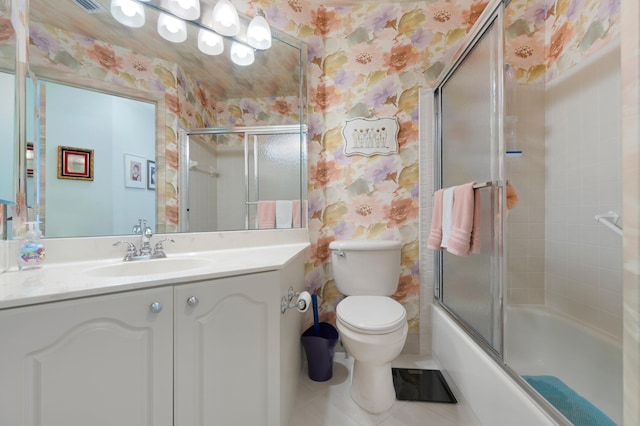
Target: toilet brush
column 316, row 324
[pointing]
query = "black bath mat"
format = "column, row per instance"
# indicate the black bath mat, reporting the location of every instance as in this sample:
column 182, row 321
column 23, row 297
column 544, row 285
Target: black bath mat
column 421, row 385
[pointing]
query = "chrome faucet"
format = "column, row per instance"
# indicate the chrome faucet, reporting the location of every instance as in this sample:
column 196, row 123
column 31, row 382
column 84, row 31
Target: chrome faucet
column 145, row 240
column 146, row 252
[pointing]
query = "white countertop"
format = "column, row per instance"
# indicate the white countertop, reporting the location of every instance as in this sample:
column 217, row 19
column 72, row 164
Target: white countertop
column 72, row 279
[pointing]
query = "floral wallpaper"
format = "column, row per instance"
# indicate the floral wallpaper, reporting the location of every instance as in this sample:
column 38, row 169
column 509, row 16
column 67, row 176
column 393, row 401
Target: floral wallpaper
column 258, row 112
column 544, row 38
column 369, row 60
column 580, row 28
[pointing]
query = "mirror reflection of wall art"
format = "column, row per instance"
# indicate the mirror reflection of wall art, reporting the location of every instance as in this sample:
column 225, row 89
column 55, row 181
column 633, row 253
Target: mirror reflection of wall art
column 151, row 174
column 75, row 163
column 134, row 171
column 31, row 159
column 371, row 136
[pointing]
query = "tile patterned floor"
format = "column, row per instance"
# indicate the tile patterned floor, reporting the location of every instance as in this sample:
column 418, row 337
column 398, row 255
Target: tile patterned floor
column 329, row 403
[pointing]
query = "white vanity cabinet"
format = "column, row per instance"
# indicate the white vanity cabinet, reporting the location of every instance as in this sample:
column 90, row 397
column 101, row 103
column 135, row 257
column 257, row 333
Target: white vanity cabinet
column 97, row 361
column 202, row 353
column 227, row 341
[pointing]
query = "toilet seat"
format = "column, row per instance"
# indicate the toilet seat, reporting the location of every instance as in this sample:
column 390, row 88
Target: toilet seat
column 371, row 314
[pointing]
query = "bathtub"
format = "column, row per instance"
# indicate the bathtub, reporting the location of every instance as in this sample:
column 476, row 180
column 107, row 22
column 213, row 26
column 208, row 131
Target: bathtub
column 480, row 381
column 539, row 341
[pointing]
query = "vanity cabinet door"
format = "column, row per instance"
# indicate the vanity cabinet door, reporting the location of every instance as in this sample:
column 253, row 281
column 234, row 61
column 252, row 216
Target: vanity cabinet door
column 226, row 352
column 97, row 361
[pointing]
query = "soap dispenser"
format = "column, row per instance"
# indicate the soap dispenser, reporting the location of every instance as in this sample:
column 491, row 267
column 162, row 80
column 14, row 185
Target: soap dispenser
column 31, row 252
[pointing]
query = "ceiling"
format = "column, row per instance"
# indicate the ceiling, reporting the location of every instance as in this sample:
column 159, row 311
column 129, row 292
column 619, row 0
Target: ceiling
column 275, row 72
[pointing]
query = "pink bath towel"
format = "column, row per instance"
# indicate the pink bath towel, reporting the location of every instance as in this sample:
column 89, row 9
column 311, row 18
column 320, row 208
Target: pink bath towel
column 266, row 214
column 465, row 221
column 435, row 236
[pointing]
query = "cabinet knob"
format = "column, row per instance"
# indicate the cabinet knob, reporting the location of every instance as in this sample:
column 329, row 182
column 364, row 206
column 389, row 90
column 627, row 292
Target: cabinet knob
column 192, row 301
column 155, row 307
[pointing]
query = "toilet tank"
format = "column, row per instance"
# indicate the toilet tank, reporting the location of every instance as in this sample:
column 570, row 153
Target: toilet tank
column 366, row 267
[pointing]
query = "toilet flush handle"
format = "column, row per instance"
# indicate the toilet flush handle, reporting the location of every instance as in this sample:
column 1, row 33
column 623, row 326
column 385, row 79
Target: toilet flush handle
column 340, row 253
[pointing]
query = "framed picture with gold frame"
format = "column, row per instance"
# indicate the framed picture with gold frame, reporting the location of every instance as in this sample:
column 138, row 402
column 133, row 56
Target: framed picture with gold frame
column 75, row 163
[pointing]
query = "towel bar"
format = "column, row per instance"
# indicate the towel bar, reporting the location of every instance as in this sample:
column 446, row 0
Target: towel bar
column 484, row 184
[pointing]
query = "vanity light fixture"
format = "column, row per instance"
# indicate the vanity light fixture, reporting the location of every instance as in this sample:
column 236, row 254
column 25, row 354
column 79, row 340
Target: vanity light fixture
column 128, row 12
column 241, row 54
column 185, row 9
column 209, row 42
column 259, row 33
column 172, row 28
column 225, row 19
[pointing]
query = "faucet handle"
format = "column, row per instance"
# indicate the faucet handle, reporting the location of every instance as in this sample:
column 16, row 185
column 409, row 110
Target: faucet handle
column 131, row 249
column 158, row 250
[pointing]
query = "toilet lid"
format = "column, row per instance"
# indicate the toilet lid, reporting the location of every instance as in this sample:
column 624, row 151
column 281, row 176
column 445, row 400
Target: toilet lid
column 371, row 314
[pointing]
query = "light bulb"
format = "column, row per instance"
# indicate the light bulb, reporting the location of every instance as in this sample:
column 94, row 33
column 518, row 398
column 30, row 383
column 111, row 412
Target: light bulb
column 128, row 8
column 209, row 42
column 225, row 18
column 241, row 54
column 259, row 33
column 171, row 28
column 185, row 9
column 128, row 12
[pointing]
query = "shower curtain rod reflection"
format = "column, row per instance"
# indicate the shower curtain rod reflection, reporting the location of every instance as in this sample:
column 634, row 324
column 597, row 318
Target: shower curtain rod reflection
column 263, row 130
column 211, row 172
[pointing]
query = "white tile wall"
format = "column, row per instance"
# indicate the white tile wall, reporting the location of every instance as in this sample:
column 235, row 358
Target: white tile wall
column 583, row 259
column 231, row 188
column 426, row 202
column 202, row 188
column 557, row 254
column 525, row 222
column 3, row 256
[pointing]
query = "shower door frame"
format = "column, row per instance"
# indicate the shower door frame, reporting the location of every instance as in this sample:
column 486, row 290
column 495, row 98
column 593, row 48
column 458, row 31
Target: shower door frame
column 250, row 132
column 492, row 16
column 492, row 13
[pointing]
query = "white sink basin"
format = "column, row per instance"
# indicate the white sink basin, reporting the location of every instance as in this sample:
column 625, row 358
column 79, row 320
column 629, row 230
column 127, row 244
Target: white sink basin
column 148, row 267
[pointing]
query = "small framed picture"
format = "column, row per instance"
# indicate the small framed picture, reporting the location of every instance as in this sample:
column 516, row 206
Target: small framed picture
column 75, row 163
column 31, row 159
column 134, row 171
column 151, row 174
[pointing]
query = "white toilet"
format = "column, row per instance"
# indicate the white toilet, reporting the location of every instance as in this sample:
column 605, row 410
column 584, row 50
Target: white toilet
column 373, row 327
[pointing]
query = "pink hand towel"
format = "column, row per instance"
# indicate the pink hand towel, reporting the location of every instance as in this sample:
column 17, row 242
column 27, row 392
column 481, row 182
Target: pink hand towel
column 296, row 213
column 465, row 221
column 435, row 236
column 266, row 214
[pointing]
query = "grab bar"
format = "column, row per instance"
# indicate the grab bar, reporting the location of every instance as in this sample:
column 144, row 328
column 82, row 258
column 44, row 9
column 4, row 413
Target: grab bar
column 604, row 219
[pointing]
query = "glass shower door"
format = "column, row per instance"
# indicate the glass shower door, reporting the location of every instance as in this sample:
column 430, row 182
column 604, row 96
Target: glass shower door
column 470, row 146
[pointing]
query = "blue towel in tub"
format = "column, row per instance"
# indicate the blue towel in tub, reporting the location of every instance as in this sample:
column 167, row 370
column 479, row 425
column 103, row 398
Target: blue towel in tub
column 574, row 407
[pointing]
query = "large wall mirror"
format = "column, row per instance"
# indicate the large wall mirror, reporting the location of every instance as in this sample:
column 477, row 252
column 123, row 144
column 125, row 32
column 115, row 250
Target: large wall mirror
column 120, row 122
